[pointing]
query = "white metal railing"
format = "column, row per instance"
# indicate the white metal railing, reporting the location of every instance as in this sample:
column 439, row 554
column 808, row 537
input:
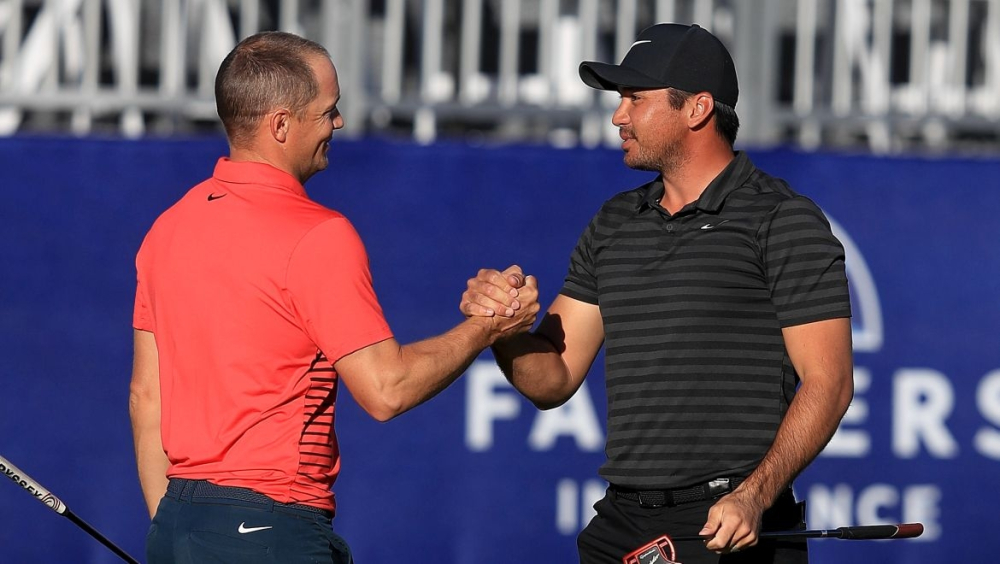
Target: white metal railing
column 888, row 74
column 140, row 61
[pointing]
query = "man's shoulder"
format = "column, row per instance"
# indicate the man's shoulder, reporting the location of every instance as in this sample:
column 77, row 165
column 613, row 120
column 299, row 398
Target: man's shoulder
column 763, row 190
column 203, row 188
column 765, row 184
column 771, row 201
column 213, row 207
column 627, row 201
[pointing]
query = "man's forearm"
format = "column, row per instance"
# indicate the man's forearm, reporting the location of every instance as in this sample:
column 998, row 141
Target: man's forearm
column 810, row 422
column 535, row 368
column 388, row 379
column 151, row 461
column 434, row 363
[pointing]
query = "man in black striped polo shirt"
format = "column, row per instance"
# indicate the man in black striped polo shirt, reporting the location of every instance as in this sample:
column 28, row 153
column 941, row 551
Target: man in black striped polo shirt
column 721, row 297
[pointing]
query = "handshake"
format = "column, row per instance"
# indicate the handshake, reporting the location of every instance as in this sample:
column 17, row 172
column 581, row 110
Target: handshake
column 508, row 299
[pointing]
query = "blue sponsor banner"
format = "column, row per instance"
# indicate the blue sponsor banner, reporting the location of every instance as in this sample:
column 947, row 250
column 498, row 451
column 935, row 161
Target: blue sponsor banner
column 477, row 474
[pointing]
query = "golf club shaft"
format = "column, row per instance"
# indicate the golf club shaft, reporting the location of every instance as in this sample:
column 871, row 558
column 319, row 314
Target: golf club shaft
column 45, row 496
column 864, row 532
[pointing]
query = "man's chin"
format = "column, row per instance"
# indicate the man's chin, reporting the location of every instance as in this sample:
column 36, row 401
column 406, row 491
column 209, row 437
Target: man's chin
column 639, row 164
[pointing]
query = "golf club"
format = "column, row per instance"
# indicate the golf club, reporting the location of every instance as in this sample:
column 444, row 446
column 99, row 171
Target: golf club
column 864, row 532
column 45, row 496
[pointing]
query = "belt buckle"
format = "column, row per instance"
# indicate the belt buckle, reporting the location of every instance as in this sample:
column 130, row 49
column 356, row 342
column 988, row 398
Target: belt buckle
column 652, row 498
column 718, row 486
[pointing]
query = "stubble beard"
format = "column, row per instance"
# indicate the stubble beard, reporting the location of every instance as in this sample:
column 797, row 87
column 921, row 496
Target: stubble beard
column 664, row 161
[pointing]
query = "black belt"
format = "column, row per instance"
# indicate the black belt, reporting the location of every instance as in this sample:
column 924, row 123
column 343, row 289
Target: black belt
column 204, row 491
column 670, row 498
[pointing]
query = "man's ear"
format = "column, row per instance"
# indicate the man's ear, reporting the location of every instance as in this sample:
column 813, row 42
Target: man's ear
column 278, row 123
column 702, row 107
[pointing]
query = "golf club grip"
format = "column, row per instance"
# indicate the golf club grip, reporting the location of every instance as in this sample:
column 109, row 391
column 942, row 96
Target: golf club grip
column 34, row 488
column 46, row 497
column 872, row 532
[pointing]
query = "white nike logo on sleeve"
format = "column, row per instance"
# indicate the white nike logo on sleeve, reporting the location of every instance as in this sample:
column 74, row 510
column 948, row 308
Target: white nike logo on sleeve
column 640, row 42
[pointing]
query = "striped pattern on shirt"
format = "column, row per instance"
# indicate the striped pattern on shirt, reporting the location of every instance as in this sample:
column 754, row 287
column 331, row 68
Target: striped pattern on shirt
column 319, row 460
column 693, row 304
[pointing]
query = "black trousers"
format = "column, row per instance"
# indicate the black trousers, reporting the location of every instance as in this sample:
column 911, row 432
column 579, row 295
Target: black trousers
column 621, row 526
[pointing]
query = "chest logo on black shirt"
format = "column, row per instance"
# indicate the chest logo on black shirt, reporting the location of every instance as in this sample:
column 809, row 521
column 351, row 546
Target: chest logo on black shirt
column 214, row 197
column 713, row 225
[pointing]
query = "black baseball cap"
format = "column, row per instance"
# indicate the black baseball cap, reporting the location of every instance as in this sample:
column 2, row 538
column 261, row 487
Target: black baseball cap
column 686, row 57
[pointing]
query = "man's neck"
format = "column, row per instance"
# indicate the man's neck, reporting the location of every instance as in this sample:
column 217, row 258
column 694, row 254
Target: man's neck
column 686, row 183
column 252, row 155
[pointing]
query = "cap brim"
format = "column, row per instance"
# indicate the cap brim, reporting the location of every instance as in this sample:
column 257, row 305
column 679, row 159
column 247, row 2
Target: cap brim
column 604, row 76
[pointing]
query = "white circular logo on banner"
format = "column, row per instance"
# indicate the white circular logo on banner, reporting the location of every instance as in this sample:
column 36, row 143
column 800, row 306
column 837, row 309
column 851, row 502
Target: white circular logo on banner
column 866, row 320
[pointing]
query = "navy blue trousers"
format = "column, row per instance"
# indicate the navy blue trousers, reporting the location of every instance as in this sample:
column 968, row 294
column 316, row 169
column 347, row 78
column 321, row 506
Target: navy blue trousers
column 212, row 529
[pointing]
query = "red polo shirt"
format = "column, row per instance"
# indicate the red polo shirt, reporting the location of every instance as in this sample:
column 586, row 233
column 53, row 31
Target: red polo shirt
column 253, row 291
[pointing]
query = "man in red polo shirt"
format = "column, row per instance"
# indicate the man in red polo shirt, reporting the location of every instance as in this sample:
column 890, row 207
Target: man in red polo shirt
column 252, row 303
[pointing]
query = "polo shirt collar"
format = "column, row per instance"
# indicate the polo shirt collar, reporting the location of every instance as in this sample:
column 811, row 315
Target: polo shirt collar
column 651, row 194
column 245, row 172
column 732, row 177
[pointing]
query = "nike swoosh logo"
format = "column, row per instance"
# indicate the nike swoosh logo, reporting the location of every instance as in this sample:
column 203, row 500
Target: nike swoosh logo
column 214, row 197
column 713, row 225
column 640, row 42
column 243, row 529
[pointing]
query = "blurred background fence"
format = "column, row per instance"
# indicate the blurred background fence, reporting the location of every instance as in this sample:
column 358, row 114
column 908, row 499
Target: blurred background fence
column 883, row 75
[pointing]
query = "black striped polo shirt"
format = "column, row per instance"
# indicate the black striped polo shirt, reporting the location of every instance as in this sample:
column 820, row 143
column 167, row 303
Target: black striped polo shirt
column 693, row 304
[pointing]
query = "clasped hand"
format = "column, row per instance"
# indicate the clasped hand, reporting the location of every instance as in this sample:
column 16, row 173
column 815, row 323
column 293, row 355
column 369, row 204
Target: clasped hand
column 510, row 298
